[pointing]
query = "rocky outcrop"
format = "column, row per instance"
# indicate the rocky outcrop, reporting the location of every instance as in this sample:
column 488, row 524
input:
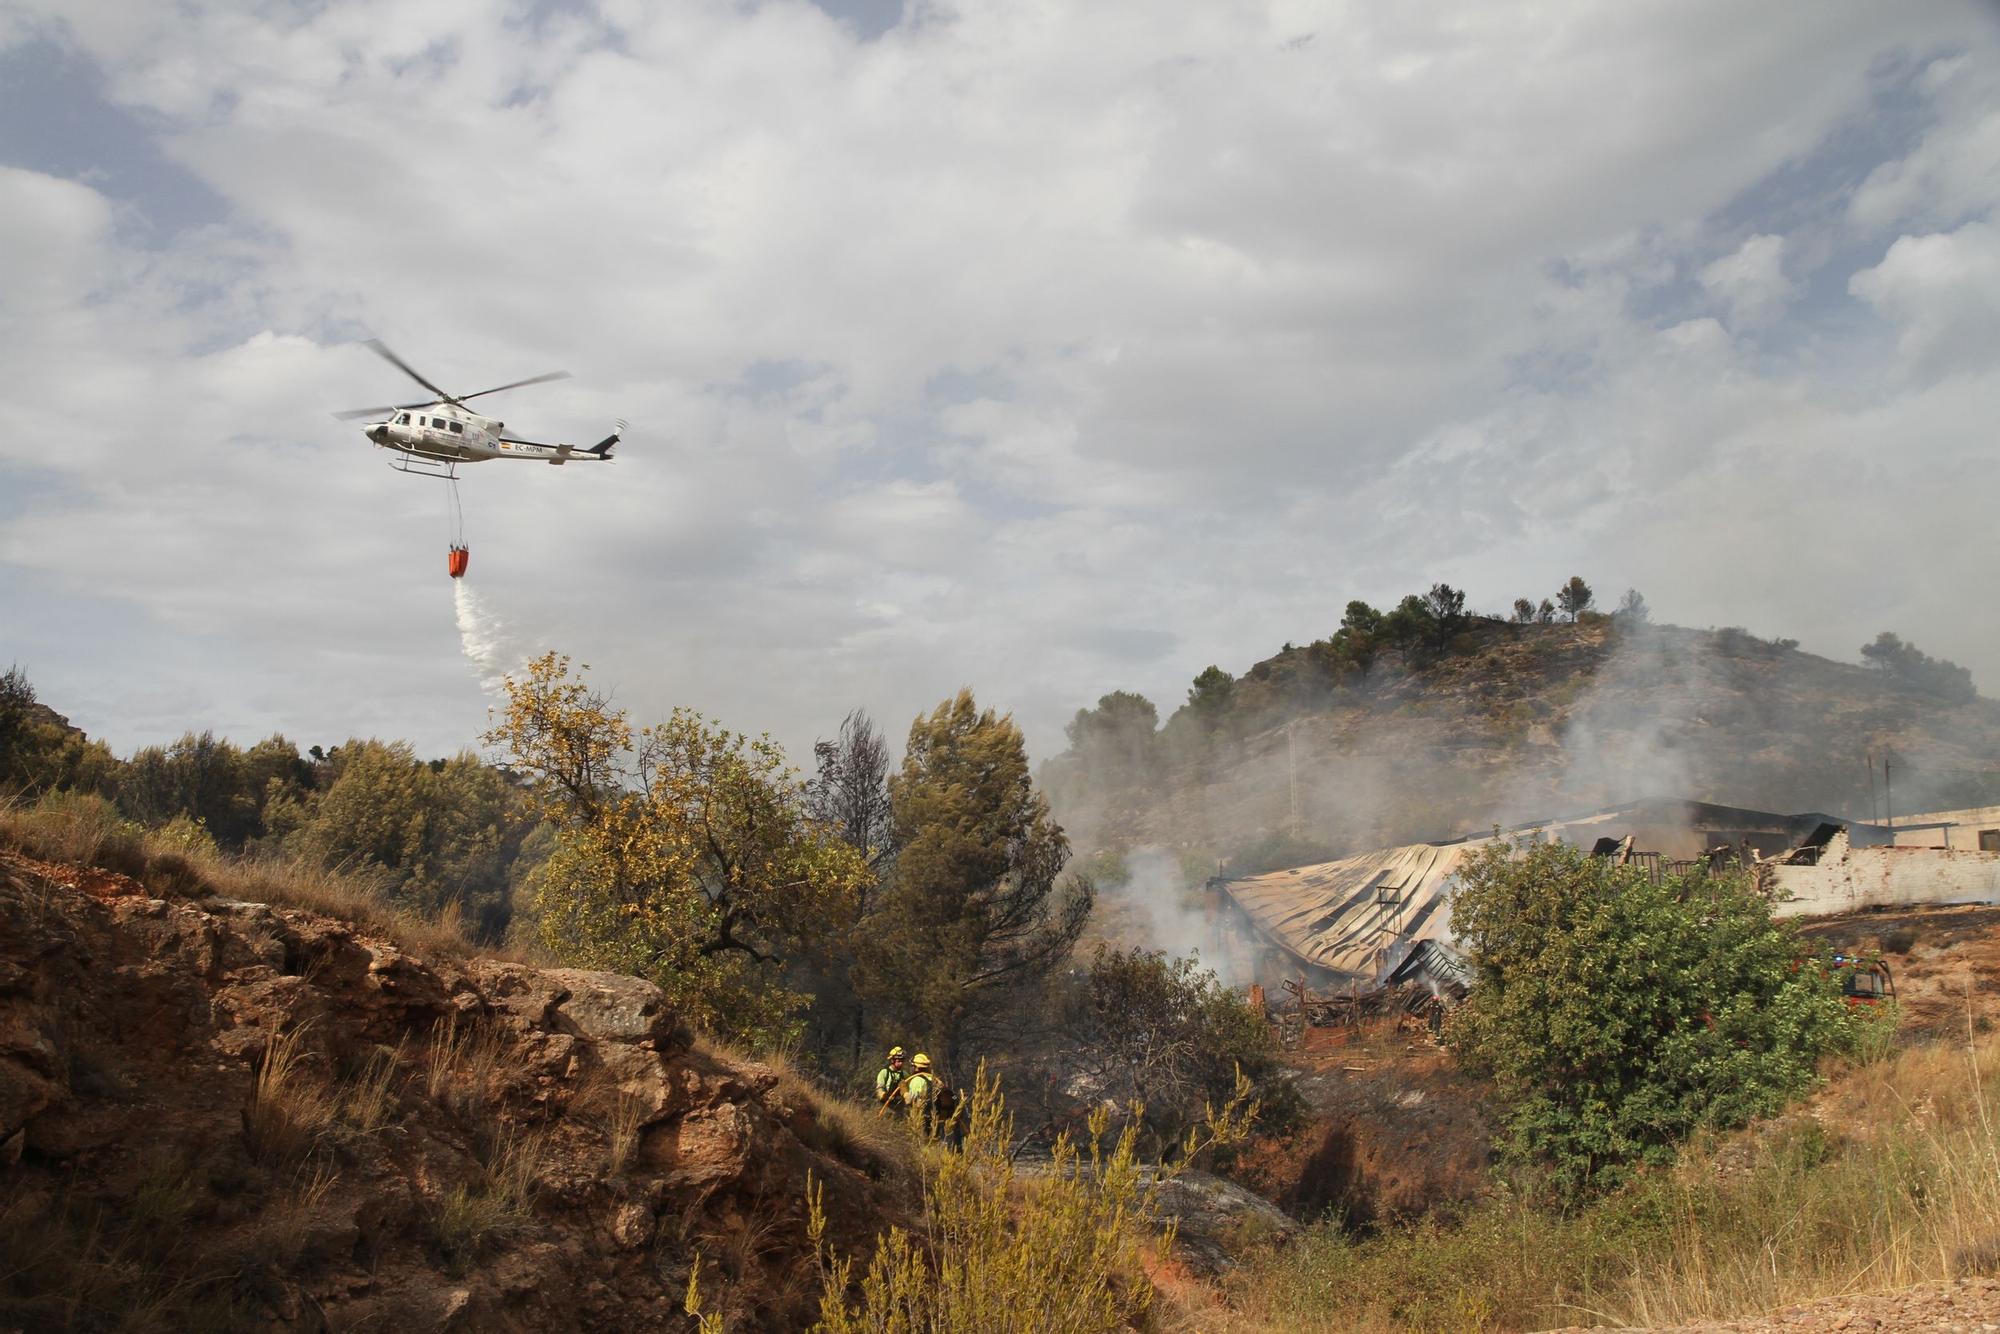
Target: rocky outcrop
column 1217, row 1223
column 302, row 1126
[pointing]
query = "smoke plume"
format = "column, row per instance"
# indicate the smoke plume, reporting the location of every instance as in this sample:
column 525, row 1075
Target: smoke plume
column 1153, row 906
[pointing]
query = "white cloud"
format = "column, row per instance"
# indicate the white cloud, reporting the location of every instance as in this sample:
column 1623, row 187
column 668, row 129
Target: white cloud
column 1953, row 173
column 1047, row 349
column 1943, row 294
column 1750, row 283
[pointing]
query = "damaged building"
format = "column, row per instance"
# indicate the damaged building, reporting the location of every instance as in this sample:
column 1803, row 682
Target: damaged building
column 1384, row 917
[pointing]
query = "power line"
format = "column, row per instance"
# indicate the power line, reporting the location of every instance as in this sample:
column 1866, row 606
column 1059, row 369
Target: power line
column 1946, row 769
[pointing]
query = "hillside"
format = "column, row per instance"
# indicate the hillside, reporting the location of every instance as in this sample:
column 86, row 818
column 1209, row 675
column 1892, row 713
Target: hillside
column 218, row 1113
column 1305, row 755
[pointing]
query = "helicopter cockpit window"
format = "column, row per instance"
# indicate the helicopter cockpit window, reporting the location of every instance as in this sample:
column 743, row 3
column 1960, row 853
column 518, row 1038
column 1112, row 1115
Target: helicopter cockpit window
column 403, row 420
column 459, row 427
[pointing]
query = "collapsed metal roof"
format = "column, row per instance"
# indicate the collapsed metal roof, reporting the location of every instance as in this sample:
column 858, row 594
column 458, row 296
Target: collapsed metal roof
column 1362, row 915
column 1359, row 915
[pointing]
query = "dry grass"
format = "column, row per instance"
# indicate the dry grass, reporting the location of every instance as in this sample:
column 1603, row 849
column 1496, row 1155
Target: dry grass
column 70, row 1262
column 498, row 1205
column 351, row 895
column 83, row 830
column 1902, row 1188
column 290, row 1110
column 370, row 1096
column 1893, row 1180
column 75, row 828
column 623, row 1124
column 287, row 1224
column 465, row 1065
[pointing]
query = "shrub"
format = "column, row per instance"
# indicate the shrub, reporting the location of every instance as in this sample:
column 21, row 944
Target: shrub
column 1000, row 1252
column 1901, row 1189
column 1617, row 1014
column 78, row 828
column 1163, row 1034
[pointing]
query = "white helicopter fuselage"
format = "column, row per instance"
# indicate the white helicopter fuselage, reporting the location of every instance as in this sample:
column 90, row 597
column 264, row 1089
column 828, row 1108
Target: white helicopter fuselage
column 442, row 433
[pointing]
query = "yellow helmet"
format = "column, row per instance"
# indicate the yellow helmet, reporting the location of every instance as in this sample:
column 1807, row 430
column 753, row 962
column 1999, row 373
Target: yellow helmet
column 922, row 1062
column 894, row 1052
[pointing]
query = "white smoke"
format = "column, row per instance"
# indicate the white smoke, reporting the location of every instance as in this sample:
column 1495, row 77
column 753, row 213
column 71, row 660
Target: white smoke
column 488, row 644
column 1154, row 906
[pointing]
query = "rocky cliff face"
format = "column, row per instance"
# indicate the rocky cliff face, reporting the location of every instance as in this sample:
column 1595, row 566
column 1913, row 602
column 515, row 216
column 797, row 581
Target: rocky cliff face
column 218, row 1113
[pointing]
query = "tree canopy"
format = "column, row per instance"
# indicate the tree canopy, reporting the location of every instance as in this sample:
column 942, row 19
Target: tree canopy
column 684, row 853
column 1618, row 1014
column 978, row 899
column 1899, row 658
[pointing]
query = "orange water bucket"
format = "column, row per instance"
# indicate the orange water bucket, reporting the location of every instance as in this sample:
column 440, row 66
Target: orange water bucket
column 456, row 561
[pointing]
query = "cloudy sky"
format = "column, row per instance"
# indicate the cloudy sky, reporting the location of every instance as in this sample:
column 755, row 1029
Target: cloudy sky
column 1046, row 348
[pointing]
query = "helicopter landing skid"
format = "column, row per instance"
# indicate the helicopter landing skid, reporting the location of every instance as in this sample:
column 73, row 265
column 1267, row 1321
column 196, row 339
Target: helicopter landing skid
column 418, row 466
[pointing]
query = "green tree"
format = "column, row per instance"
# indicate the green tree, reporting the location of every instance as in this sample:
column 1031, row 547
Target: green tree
column 1904, row 660
column 40, row 753
column 373, row 812
column 1116, row 741
column 440, row 832
column 1209, row 698
column 1356, row 642
column 1410, row 625
column 1617, row 1015
column 1446, row 605
column 1575, row 597
column 978, row 904
column 684, row 853
column 1360, row 619
column 199, row 776
column 1524, row 611
column 17, row 704
column 849, row 794
column 273, row 770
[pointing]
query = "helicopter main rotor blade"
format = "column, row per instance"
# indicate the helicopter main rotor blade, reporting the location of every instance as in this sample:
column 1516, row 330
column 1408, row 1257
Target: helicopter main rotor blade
column 352, row 413
column 381, row 350
column 534, row 379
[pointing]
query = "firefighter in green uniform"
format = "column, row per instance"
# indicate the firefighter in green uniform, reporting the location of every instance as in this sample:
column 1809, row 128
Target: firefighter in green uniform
column 931, row 1102
column 889, row 1079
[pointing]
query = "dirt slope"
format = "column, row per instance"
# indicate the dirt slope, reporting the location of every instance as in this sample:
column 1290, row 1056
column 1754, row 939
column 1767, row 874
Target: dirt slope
column 1393, row 1130
column 440, row 1142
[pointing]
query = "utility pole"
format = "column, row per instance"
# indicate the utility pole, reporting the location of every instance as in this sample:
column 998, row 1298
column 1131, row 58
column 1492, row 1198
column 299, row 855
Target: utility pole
column 1889, row 799
column 1292, row 759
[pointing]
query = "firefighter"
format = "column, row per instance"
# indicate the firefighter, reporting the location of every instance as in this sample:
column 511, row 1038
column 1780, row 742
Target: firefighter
column 919, row 1089
column 930, row 1101
column 889, row 1079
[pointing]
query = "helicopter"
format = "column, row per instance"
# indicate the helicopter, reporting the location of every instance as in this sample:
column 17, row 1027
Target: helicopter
column 433, row 437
